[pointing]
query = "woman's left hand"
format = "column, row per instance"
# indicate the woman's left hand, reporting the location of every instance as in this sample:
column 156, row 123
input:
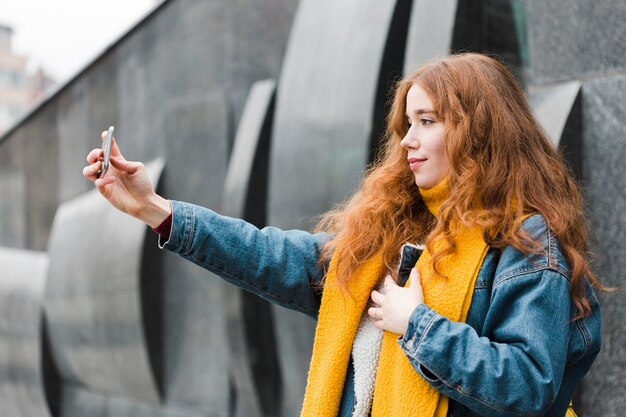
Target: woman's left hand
column 394, row 308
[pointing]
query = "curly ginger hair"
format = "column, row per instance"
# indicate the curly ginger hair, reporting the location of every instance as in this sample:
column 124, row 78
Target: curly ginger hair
column 502, row 168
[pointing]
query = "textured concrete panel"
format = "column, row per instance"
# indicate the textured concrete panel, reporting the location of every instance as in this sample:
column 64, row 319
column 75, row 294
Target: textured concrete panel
column 575, row 39
column 28, row 173
column 22, row 285
column 604, row 153
column 12, row 205
column 78, row 402
column 249, row 323
column 431, row 31
column 93, row 297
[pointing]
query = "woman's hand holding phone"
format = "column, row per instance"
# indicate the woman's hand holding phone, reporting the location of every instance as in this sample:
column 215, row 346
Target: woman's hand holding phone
column 126, row 185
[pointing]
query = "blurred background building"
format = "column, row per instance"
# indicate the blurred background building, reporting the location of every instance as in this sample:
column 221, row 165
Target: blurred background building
column 222, row 99
column 19, row 89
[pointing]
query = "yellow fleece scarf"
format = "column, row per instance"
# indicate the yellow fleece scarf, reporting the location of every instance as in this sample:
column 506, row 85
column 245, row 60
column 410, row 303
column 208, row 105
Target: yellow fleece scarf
column 399, row 391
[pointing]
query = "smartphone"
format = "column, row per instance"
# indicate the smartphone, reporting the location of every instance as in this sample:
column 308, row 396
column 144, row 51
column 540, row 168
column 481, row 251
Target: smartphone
column 106, row 148
column 409, row 254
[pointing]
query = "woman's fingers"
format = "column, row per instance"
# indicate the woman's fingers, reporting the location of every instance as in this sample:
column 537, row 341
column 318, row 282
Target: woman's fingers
column 375, row 313
column 122, row 164
column 415, row 277
column 378, row 297
column 415, row 285
column 395, row 304
column 94, row 155
column 103, row 182
column 389, row 283
column 91, row 171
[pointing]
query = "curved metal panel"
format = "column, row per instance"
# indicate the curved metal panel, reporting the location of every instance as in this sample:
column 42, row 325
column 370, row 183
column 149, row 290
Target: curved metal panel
column 93, row 297
column 192, row 314
column 324, row 106
column 251, row 148
column 79, row 402
column 552, row 106
column 249, row 324
column 21, row 294
column 431, row 31
column 557, row 108
column 323, row 128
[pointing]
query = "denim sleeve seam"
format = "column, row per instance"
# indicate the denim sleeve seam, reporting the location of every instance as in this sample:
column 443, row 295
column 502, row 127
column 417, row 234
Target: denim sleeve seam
column 190, row 229
column 428, row 325
column 526, row 271
column 585, row 335
column 552, row 249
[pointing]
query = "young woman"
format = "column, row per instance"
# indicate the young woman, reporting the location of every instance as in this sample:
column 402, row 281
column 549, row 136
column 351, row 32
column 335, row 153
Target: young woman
column 497, row 318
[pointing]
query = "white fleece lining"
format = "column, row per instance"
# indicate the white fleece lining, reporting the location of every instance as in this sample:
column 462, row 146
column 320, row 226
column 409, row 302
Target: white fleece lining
column 365, row 353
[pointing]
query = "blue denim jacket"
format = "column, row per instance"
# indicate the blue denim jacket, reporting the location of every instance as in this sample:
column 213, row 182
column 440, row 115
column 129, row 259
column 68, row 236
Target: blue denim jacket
column 518, row 354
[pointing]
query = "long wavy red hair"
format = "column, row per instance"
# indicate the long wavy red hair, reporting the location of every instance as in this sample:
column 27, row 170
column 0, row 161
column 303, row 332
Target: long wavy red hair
column 502, row 168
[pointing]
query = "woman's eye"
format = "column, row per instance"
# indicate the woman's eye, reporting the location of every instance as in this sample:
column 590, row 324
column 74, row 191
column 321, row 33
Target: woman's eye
column 427, row 122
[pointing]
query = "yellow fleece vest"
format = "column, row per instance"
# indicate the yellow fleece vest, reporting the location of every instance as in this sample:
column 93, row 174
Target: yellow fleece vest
column 399, row 390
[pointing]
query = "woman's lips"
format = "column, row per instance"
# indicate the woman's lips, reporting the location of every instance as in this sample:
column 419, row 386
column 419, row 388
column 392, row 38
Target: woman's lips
column 415, row 163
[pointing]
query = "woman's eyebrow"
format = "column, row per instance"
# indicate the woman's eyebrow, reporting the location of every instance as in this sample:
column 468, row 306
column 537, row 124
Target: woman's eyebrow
column 422, row 111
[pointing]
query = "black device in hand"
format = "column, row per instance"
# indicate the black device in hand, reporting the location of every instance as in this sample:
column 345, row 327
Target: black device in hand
column 409, row 254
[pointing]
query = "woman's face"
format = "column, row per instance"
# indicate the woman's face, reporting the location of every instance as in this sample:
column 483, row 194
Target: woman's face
column 425, row 139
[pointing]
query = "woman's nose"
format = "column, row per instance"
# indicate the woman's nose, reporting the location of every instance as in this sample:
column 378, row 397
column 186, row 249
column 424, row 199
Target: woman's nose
column 409, row 141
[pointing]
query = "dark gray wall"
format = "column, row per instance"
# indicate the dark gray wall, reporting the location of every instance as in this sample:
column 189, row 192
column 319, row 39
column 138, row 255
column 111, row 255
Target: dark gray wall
column 175, row 88
column 586, row 41
column 604, row 174
column 21, row 295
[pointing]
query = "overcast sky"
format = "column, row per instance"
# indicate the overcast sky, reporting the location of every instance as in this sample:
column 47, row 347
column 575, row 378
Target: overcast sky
column 63, row 36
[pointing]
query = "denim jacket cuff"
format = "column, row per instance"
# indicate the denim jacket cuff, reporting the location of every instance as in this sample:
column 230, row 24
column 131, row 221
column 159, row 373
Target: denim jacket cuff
column 181, row 233
column 420, row 320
